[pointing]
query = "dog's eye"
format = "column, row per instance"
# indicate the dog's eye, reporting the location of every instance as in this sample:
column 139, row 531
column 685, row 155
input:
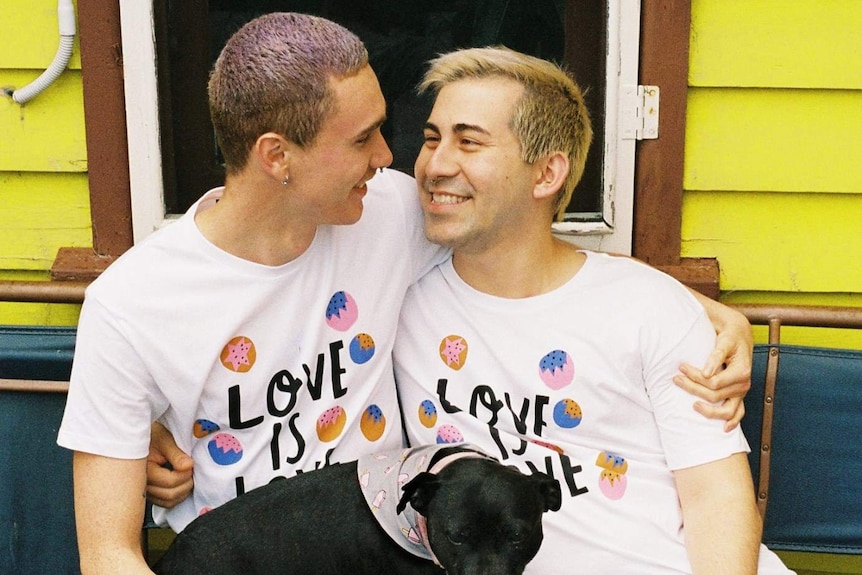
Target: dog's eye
column 517, row 537
column 456, row 537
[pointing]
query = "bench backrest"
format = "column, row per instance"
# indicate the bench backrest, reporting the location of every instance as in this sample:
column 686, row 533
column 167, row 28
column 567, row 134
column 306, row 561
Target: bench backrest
column 37, row 524
column 804, row 423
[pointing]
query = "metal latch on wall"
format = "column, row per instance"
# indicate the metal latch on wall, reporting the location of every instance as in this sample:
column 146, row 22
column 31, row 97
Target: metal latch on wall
column 640, row 112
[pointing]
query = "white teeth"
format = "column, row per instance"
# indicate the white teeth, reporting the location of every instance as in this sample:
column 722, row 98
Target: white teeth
column 446, row 199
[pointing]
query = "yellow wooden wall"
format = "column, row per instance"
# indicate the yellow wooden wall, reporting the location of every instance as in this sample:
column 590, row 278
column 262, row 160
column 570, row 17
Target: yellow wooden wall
column 44, row 198
column 773, row 159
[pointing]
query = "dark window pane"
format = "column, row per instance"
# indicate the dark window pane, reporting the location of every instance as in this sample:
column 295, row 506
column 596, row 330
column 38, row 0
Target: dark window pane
column 401, row 37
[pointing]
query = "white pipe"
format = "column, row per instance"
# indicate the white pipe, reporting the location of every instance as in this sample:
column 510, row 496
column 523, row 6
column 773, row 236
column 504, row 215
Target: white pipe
column 66, row 20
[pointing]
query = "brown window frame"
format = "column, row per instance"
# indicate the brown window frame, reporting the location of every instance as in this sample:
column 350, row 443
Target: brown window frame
column 107, row 145
column 657, row 234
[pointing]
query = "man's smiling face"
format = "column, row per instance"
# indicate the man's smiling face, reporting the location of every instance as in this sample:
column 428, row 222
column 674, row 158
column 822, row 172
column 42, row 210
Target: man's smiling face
column 471, row 176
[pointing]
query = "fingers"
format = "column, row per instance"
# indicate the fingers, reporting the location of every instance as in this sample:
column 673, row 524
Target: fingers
column 169, row 469
column 164, row 450
column 715, row 361
column 731, row 410
column 168, row 487
column 736, row 391
column 723, row 392
column 726, row 384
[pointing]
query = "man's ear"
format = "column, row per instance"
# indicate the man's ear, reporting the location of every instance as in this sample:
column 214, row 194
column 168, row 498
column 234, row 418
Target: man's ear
column 272, row 153
column 552, row 174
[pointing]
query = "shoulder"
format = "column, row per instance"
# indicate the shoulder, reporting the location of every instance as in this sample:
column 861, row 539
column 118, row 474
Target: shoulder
column 626, row 288
column 635, row 277
column 158, row 257
column 393, row 184
column 393, row 180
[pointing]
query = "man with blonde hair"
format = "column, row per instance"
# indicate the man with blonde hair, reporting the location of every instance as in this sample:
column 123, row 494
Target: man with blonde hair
column 558, row 359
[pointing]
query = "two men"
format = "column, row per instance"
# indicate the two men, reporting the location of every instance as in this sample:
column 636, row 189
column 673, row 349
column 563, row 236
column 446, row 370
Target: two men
column 258, row 328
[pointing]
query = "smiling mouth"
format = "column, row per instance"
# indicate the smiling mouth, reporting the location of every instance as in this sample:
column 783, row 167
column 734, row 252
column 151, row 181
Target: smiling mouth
column 361, row 187
column 446, row 199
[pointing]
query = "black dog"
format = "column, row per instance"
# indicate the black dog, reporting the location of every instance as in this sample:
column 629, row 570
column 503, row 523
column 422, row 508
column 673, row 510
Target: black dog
column 478, row 516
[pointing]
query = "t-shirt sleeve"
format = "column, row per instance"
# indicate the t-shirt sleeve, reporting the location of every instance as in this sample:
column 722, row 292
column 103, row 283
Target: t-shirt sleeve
column 112, row 398
column 688, row 438
column 424, row 254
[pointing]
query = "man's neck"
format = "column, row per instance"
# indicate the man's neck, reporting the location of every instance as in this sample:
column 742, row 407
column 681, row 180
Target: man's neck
column 256, row 223
column 531, row 269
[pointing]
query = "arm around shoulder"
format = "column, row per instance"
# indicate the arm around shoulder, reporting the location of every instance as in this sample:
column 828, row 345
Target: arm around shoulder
column 722, row 525
column 109, row 512
column 726, row 377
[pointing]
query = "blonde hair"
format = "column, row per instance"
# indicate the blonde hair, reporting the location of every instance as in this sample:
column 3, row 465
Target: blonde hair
column 273, row 75
column 550, row 116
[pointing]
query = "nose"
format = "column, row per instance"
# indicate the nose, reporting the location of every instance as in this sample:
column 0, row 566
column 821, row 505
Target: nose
column 382, row 156
column 435, row 162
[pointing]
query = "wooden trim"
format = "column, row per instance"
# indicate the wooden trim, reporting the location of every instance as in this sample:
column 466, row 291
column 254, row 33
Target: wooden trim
column 34, row 385
column 78, row 265
column 107, row 145
column 665, row 29
column 42, row 292
column 657, row 234
column 768, row 415
column 700, row 274
column 798, row 315
column 105, row 124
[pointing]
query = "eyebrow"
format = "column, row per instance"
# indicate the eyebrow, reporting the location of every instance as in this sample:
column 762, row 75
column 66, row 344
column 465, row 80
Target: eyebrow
column 376, row 125
column 458, row 128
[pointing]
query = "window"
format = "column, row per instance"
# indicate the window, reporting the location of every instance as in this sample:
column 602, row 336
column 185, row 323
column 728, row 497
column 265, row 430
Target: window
column 166, row 110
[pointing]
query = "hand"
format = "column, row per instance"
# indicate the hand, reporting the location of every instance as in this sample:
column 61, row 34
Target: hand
column 724, row 402
column 169, row 470
column 726, row 377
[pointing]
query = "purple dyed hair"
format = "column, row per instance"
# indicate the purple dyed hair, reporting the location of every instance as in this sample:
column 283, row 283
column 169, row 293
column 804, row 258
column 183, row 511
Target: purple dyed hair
column 273, row 76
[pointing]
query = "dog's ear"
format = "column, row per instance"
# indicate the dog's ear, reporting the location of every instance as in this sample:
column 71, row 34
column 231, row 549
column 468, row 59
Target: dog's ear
column 418, row 492
column 550, row 490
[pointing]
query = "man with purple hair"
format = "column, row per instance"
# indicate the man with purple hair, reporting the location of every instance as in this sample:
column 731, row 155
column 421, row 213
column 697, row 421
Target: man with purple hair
column 258, row 328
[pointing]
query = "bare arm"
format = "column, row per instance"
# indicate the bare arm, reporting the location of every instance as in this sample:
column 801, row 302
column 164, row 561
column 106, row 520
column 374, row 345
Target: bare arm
column 109, row 512
column 722, row 525
column 726, row 376
column 169, row 469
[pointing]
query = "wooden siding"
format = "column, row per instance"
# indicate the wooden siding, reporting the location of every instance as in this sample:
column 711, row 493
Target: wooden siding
column 47, row 133
column 774, row 140
column 776, row 43
column 807, row 243
column 39, row 213
column 772, row 180
column 44, row 195
column 30, row 35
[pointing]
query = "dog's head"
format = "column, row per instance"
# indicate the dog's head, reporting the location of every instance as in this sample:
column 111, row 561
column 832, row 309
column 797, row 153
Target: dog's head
column 483, row 518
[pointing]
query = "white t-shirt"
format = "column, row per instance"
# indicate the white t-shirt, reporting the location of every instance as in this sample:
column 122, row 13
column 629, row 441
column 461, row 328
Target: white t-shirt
column 576, row 383
column 257, row 371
